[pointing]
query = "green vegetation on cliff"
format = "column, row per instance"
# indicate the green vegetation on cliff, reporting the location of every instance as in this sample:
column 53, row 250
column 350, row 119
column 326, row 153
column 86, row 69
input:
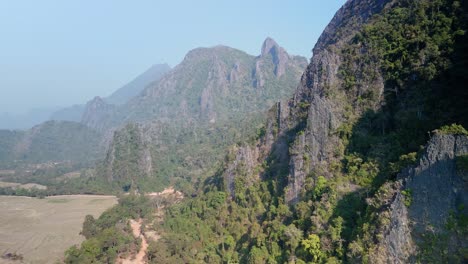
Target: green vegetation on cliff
column 416, row 50
column 419, row 48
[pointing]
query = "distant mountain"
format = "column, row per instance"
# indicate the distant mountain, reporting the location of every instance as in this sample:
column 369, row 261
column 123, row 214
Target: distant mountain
column 133, row 88
column 212, row 99
column 176, row 128
column 366, row 163
column 211, row 84
column 71, row 113
column 50, row 141
column 25, row 120
column 120, row 96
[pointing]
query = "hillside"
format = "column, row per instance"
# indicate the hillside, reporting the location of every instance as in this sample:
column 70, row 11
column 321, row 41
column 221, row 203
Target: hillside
column 133, row 88
column 210, row 84
column 177, row 129
column 360, row 166
column 120, row 96
column 52, row 141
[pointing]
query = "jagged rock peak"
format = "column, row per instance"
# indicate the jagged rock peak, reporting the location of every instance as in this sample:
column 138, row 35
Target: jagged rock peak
column 349, row 17
column 279, row 55
column 269, row 46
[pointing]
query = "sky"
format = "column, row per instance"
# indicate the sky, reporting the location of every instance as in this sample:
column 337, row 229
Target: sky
column 56, row 53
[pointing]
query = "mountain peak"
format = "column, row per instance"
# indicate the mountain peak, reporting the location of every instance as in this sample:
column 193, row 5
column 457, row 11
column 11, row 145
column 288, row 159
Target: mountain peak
column 272, row 51
column 269, row 45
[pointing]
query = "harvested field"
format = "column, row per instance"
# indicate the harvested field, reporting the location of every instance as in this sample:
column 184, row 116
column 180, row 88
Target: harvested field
column 42, row 229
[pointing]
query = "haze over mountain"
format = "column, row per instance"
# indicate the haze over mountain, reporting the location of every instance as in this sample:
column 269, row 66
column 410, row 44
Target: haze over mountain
column 218, row 89
column 118, row 97
column 366, row 163
column 25, row 120
column 79, row 52
column 210, row 84
column 213, row 98
column 359, row 155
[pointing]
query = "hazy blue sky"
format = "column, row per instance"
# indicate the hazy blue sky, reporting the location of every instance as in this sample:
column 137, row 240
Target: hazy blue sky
column 58, row 53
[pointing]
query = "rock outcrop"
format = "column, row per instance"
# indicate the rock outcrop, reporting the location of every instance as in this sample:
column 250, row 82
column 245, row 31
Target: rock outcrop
column 325, row 113
column 129, row 156
column 243, row 164
column 423, row 201
column 437, row 187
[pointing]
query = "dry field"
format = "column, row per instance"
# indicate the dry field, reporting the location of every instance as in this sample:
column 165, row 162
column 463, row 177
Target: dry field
column 42, row 229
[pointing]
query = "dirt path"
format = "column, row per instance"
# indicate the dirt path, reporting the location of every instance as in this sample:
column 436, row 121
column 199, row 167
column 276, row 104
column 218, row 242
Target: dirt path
column 139, row 258
column 158, row 198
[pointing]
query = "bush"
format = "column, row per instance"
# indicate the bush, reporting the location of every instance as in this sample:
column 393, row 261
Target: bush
column 452, row 129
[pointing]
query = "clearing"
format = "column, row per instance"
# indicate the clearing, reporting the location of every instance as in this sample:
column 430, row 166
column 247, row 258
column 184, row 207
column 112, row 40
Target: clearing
column 42, row 229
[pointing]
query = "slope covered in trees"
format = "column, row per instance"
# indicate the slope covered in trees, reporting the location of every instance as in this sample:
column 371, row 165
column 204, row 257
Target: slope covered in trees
column 365, row 164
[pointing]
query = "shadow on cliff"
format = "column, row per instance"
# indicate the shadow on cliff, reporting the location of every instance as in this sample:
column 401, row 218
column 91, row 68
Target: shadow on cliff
column 402, row 125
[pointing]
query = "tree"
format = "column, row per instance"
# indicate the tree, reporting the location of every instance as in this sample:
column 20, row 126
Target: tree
column 312, row 246
column 89, row 227
column 292, row 236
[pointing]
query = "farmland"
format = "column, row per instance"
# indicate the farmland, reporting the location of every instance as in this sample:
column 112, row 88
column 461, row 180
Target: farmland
column 42, row 229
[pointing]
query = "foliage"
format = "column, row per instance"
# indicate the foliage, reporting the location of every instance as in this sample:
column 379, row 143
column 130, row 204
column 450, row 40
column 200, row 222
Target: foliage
column 453, row 129
column 408, row 196
column 342, row 212
column 108, row 237
column 312, row 246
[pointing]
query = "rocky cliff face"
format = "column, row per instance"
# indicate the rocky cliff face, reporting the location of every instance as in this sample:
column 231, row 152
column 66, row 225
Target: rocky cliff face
column 210, row 84
column 245, row 160
column 424, row 201
column 352, row 122
column 129, row 157
column 219, row 83
column 317, row 108
column 321, row 94
column 271, row 52
column 202, row 105
column 437, row 186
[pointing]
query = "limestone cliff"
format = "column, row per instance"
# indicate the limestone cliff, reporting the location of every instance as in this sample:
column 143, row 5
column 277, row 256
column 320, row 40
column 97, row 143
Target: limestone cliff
column 424, row 202
column 360, row 114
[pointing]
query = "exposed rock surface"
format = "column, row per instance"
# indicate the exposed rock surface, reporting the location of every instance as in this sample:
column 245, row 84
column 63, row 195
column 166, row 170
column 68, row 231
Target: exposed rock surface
column 245, row 159
column 324, row 114
column 279, row 56
column 218, row 83
column 129, row 156
column 211, row 91
column 435, row 188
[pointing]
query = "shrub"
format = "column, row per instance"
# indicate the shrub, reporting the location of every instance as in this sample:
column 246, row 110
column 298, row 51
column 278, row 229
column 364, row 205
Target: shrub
column 452, row 129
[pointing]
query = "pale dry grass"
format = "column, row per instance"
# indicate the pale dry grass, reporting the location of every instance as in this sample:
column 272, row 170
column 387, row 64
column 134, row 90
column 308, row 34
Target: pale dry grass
column 42, row 229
